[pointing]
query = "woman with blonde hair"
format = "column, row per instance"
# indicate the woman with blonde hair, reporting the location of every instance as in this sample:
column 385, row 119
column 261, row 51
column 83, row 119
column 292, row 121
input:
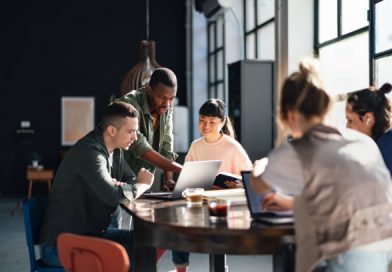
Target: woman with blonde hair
column 342, row 190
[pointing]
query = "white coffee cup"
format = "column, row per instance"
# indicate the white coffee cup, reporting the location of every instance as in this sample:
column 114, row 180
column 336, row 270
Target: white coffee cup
column 193, row 196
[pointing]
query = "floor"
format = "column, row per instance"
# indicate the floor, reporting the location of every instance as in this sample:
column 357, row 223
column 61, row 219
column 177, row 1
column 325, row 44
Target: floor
column 14, row 256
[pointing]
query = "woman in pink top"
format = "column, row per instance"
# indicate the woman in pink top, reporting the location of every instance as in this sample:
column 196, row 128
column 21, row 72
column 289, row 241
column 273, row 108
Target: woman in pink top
column 217, row 143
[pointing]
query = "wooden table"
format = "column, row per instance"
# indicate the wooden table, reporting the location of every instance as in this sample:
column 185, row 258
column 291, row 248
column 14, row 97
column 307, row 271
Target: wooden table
column 39, row 175
column 172, row 225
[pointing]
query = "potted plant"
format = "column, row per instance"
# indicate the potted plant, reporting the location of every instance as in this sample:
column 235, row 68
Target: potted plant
column 34, row 159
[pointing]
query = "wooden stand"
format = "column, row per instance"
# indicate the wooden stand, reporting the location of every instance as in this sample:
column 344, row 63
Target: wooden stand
column 36, row 175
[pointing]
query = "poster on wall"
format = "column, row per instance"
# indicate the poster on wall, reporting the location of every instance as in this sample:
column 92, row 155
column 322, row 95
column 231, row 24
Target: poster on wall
column 77, row 118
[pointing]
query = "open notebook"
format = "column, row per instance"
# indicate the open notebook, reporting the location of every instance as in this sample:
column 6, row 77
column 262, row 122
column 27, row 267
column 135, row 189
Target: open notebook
column 255, row 200
column 195, row 174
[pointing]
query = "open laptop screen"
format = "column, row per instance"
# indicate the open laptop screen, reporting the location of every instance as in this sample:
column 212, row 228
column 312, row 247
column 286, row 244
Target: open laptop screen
column 255, row 201
column 194, row 174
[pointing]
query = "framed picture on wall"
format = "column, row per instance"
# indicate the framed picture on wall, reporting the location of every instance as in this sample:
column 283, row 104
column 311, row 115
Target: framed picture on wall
column 77, row 118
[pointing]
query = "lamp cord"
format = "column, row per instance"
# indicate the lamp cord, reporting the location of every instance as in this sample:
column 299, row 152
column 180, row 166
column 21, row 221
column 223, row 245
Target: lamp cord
column 147, row 20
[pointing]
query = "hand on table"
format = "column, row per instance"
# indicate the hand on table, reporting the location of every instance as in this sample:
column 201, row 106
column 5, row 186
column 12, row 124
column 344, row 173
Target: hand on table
column 168, row 185
column 145, row 177
column 277, row 202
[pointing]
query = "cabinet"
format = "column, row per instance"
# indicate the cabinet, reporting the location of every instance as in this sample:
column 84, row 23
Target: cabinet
column 251, row 87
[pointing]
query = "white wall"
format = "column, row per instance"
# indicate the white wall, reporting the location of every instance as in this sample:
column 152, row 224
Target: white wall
column 301, row 30
column 234, row 32
column 199, row 63
column 234, row 37
column 233, row 51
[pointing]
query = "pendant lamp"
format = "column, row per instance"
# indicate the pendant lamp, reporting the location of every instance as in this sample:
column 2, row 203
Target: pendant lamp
column 140, row 74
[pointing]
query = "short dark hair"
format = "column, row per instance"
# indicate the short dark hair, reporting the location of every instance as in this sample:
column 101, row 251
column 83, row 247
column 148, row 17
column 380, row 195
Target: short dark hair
column 216, row 108
column 164, row 76
column 116, row 111
column 376, row 102
column 304, row 92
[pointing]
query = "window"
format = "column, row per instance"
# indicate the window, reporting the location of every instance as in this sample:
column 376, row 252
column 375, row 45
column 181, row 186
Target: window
column 259, row 23
column 383, row 29
column 342, row 43
column 381, row 42
column 328, row 20
column 383, row 70
column 216, row 58
column 353, row 15
column 345, row 64
column 361, row 47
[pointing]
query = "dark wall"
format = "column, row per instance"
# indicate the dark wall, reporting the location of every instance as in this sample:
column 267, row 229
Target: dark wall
column 50, row 49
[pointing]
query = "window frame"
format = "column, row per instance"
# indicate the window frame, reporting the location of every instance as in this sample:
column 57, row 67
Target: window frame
column 212, row 84
column 254, row 31
column 374, row 56
column 340, row 36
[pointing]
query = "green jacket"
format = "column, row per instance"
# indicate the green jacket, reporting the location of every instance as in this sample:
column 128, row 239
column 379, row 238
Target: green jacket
column 84, row 196
column 139, row 99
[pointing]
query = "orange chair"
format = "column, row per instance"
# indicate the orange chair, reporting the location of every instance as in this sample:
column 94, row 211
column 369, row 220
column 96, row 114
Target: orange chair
column 79, row 253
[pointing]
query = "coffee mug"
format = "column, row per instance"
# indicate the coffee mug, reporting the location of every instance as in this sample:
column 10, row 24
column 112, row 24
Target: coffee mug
column 193, row 196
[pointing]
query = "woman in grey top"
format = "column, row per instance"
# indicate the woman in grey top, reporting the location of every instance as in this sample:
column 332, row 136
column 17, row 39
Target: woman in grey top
column 341, row 187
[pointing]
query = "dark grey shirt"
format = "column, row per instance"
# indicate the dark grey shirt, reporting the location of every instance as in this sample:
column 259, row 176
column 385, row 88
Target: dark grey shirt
column 84, row 195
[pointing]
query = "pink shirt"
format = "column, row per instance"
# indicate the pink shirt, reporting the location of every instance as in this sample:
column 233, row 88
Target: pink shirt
column 234, row 157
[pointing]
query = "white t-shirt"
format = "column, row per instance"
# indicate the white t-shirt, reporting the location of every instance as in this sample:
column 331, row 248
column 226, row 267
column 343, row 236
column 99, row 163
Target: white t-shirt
column 111, row 159
column 284, row 172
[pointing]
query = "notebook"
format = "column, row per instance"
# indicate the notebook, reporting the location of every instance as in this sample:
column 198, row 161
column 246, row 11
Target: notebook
column 224, row 176
column 255, row 200
column 195, row 174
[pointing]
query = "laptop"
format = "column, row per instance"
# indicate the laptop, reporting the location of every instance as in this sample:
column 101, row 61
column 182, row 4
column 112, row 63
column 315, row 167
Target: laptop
column 255, row 201
column 194, row 174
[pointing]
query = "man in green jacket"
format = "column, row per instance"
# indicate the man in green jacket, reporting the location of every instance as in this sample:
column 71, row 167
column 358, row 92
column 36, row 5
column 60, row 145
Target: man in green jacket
column 92, row 180
column 154, row 147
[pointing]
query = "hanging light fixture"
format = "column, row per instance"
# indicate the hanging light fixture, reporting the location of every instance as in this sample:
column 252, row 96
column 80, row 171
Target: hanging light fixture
column 140, row 74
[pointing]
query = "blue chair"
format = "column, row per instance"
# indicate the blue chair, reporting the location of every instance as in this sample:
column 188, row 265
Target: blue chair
column 33, row 211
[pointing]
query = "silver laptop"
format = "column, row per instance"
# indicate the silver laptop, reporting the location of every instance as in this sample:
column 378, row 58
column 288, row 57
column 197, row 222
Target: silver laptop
column 195, row 174
column 255, row 200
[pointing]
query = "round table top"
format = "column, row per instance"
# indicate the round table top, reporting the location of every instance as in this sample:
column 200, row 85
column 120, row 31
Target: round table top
column 171, row 224
column 176, row 213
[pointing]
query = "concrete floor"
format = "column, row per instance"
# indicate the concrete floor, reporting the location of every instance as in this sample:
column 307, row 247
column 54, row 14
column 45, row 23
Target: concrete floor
column 14, row 255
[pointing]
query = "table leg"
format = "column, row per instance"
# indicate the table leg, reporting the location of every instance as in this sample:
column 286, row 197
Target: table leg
column 277, row 263
column 218, row 263
column 30, row 188
column 144, row 257
column 285, row 262
column 49, row 186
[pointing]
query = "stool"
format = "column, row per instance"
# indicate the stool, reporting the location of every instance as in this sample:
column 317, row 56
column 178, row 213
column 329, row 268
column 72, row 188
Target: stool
column 42, row 175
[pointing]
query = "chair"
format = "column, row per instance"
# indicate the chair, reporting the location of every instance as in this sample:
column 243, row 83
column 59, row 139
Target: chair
column 79, row 253
column 33, row 211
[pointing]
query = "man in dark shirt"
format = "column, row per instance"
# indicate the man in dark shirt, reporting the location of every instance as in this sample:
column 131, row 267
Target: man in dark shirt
column 92, row 180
